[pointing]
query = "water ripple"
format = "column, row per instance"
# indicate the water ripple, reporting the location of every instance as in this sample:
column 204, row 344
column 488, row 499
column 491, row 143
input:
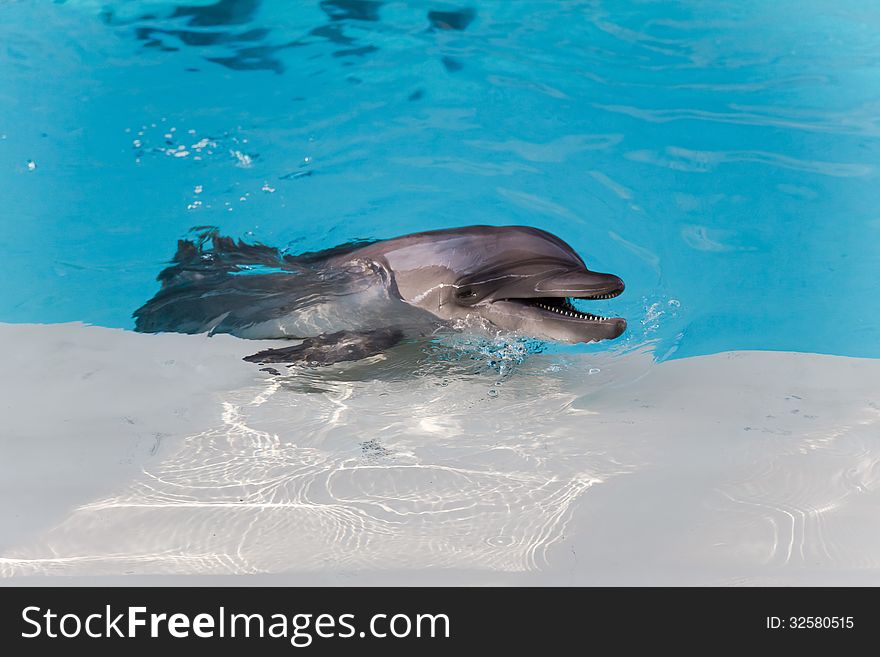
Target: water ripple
column 693, row 161
column 850, row 123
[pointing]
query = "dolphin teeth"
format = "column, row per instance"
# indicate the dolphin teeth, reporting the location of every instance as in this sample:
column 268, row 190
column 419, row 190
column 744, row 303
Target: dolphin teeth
column 607, row 295
column 566, row 309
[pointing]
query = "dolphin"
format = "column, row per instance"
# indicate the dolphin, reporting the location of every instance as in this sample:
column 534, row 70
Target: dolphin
column 361, row 298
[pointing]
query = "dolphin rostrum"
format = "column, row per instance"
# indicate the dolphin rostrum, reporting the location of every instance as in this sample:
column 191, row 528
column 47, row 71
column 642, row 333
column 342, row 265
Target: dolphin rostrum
column 358, row 299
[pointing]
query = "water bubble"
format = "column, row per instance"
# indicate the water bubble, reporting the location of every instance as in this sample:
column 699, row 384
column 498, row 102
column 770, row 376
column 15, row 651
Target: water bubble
column 31, row 165
column 653, row 313
column 594, row 370
column 267, row 188
column 244, row 160
column 197, row 189
column 492, row 392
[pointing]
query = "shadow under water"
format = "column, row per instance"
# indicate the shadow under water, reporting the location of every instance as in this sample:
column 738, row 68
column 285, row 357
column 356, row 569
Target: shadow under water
column 233, row 26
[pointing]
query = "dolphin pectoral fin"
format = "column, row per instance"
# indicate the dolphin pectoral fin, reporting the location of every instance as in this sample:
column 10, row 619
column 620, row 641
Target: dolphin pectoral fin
column 331, row 348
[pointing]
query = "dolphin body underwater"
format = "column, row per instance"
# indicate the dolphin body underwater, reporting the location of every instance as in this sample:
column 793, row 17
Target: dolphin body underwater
column 359, row 299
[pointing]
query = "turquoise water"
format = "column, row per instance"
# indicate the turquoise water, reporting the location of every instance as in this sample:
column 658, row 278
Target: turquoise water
column 720, row 157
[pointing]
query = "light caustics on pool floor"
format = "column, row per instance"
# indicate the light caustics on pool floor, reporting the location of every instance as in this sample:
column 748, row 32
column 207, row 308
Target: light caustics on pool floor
column 728, row 468
column 363, row 475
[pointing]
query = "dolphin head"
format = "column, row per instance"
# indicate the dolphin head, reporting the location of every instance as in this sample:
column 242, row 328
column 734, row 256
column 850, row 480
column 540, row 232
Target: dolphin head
column 517, row 278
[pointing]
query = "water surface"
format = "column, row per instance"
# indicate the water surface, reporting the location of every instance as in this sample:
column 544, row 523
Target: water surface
column 722, row 158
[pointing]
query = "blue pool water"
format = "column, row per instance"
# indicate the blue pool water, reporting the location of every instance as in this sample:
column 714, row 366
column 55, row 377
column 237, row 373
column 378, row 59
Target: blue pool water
column 722, row 158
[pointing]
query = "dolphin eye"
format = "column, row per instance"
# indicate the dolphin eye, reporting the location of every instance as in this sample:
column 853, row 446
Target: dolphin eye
column 465, row 293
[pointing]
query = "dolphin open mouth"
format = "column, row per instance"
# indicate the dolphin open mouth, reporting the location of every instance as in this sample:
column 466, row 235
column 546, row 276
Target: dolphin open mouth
column 561, row 294
column 562, row 307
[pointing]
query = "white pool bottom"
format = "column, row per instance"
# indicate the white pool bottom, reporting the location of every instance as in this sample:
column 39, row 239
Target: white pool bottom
column 132, row 459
